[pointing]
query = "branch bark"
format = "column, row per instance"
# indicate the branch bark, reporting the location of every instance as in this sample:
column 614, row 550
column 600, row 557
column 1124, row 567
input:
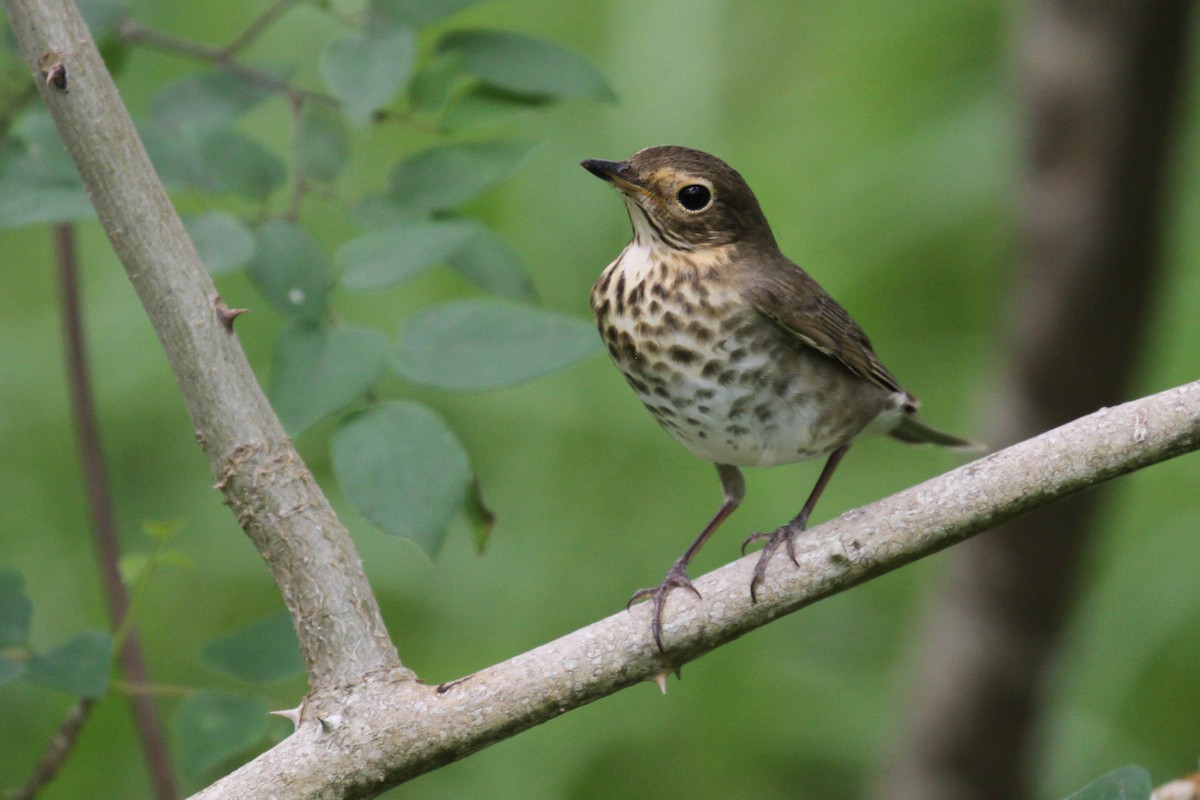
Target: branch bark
column 255, row 465
column 379, row 733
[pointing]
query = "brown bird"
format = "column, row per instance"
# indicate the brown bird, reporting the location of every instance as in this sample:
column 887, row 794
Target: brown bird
column 733, row 348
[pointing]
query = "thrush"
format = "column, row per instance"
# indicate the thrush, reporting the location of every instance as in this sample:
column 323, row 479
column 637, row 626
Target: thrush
column 736, row 351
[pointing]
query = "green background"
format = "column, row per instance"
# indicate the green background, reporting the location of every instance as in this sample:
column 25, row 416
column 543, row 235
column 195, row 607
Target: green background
column 883, row 141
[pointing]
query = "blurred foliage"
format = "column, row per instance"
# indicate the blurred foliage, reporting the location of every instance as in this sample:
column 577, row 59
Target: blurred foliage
column 883, row 142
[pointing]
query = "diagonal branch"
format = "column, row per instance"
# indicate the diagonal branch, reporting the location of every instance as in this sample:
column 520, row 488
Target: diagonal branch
column 383, row 732
column 254, row 463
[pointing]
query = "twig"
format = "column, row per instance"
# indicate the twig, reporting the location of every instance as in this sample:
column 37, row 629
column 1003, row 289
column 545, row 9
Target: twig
column 57, row 750
column 134, row 32
column 259, row 26
column 104, row 527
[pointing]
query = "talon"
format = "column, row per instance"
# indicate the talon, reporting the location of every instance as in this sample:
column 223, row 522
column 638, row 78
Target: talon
column 757, row 536
column 676, row 578
column 785, row 535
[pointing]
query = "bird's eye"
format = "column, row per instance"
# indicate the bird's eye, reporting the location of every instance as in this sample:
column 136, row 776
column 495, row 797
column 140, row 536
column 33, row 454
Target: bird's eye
column 694, row 197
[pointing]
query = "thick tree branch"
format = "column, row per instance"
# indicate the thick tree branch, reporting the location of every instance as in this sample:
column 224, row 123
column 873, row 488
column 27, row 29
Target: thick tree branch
column 383, row 732
column 257, row 468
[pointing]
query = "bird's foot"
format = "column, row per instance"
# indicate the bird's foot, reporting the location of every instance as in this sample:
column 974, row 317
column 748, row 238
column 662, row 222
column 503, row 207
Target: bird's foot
column 677, row 578
column 783, row 535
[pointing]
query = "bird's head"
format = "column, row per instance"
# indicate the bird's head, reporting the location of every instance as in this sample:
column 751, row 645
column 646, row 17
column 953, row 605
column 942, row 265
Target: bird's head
column 685, row 199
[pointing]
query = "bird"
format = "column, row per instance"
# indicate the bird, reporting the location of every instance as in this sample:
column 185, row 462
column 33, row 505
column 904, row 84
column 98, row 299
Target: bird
column 733, row 348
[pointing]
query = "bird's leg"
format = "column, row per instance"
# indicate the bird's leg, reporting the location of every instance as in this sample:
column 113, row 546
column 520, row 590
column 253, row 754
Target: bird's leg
column 786, row 534
column 734, row 487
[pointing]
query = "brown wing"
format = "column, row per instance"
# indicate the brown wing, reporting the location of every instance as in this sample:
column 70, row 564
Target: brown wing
column 786, row 295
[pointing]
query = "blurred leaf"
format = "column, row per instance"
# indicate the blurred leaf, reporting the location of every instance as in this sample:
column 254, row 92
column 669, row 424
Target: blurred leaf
column 204, row 101
column 486, row 261
column 291, row 270
column 431, row 85
column 412, row 13
column 80, row 666
column 379, row 260
column 211, row 726
column 230, row 161
column 525, row 64
column 483, row 107
column 488, row 343
column 132, row 566
column 10, row 670
column 404, row 470
column 322, row 145
column 162, row 532
column 102, row 16
column 366, row 70
column 318, row 371
column 16, row 609
column 447, row 176
column 38, row 182
column 1126, row 783
column 261, row 652
column 222, row 240
column 171, row 154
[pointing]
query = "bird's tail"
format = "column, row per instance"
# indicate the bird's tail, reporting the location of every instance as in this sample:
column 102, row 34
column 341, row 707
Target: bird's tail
column 914, row 431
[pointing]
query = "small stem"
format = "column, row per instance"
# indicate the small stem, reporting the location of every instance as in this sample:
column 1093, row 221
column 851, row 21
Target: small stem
column 259, row 26
column 104, row 527
column 134, row 32
column 57, row 751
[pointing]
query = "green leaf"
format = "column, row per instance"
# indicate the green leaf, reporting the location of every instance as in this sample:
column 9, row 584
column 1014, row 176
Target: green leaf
column 1126, row 783
column 447, row 176
column 132, row 567
column 261, row 652
column 222, row 240
column 366, row 70
column 486, row 261
column 486, row 107
column 207, row 100
column 16, row 609
column 524, row 64
column 38, row 182
column 411, row 13
column 10, row 670
column 432, row 84
column 403, row 469
column 173, row 155
column 211, row 726
column 80, row 666
column 322, row 145
column 383, row 259
column 230, row 161
column 318, row 371
column 291, row 270
column 488, row 343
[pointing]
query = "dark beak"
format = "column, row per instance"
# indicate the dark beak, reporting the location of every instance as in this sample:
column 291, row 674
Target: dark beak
column 617, row 173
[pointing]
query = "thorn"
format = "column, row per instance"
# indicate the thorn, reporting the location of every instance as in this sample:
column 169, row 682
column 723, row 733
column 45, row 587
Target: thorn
column 292, row 714
column 52, row 67
column 226, row 314
column 661, row 680
column 330, row 723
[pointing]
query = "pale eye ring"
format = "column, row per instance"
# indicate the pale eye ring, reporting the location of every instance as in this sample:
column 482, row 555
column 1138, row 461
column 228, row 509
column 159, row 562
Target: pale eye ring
column 694, row 197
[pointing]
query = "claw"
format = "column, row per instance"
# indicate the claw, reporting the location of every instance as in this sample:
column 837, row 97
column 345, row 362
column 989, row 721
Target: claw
column 785, row 535
column 676, row 578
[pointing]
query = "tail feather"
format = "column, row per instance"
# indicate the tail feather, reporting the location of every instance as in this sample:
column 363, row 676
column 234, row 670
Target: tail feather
column 914, row 431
